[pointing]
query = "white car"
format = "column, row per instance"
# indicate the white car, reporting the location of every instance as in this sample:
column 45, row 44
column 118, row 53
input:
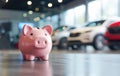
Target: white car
column 90, row 34
column 59, row 37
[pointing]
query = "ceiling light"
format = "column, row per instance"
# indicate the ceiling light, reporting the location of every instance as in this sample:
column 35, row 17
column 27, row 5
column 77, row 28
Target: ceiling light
column 6, row 1
column 36, row 19
column 29, row 2
column 50, row 5
column 60, row 1
column 36, row 9
column 24, row 14
column 30, row 12
column 42, row 15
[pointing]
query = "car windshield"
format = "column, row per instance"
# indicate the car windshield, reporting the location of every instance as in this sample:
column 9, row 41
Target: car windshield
column 95, row 23
column 62, row 28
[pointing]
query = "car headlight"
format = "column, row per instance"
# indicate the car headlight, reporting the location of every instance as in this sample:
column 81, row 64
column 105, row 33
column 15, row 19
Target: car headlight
column 54, row 33
column 87, row 31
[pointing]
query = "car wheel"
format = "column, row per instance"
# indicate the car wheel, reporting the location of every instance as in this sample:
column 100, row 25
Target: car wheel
column 63, row 43
column 75, row 47
column 113, row 47
column 98, row 43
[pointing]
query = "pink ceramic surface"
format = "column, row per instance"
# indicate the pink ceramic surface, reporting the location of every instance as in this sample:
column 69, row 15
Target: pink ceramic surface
column 35, row 42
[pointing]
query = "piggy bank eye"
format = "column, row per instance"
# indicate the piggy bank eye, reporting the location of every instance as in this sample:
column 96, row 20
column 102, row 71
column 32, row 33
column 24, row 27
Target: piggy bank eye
column 45, row 34
column 38, row 28
column 31, row 34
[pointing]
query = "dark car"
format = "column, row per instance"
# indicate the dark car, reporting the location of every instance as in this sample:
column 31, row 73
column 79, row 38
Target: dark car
column 112, row 36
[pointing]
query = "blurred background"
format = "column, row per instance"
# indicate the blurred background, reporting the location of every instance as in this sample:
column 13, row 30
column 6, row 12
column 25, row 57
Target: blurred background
column 77, row 24
column 85, row 38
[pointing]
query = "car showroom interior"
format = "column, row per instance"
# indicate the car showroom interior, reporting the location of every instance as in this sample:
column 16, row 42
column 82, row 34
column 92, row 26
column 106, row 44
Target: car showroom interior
column 59, row 37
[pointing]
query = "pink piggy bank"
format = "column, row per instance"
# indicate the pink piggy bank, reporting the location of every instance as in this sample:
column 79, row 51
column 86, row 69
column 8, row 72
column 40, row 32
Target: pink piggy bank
column 35, row 42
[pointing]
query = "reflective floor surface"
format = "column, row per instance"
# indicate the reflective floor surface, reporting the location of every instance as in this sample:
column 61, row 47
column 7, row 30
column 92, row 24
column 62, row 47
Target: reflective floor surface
column 60, row 64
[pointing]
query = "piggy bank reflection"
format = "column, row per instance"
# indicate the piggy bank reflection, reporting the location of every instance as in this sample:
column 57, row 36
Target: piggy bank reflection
column 36, row 69
column 35, row 42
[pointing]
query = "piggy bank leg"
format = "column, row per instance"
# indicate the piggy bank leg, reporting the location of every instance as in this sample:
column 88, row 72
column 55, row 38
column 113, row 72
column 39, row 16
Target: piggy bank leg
column 45, row 58
column 28, row 57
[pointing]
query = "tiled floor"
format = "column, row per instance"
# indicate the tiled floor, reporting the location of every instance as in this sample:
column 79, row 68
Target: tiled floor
column 60, row 64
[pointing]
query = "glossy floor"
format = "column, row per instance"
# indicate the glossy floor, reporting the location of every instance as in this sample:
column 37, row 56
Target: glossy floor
column 61, row 64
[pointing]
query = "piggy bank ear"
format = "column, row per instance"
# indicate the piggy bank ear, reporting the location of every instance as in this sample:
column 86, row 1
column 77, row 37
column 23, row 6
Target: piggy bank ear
column 48, row 28
column 26, row 29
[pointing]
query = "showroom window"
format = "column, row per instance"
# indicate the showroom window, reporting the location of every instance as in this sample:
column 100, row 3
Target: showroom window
column 54, row 21
column 109, row 8
column 75, row 16
column 94, row 10
column 79, row 14
column 101, row 9
column 69, row 17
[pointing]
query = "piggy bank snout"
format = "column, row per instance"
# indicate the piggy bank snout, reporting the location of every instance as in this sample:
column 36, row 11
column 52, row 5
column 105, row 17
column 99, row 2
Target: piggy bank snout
column 40, row 42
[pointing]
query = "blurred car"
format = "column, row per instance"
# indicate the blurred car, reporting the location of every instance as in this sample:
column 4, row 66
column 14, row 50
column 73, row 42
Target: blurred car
column 59, row 37
column 90, row 34
column 112, row 36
